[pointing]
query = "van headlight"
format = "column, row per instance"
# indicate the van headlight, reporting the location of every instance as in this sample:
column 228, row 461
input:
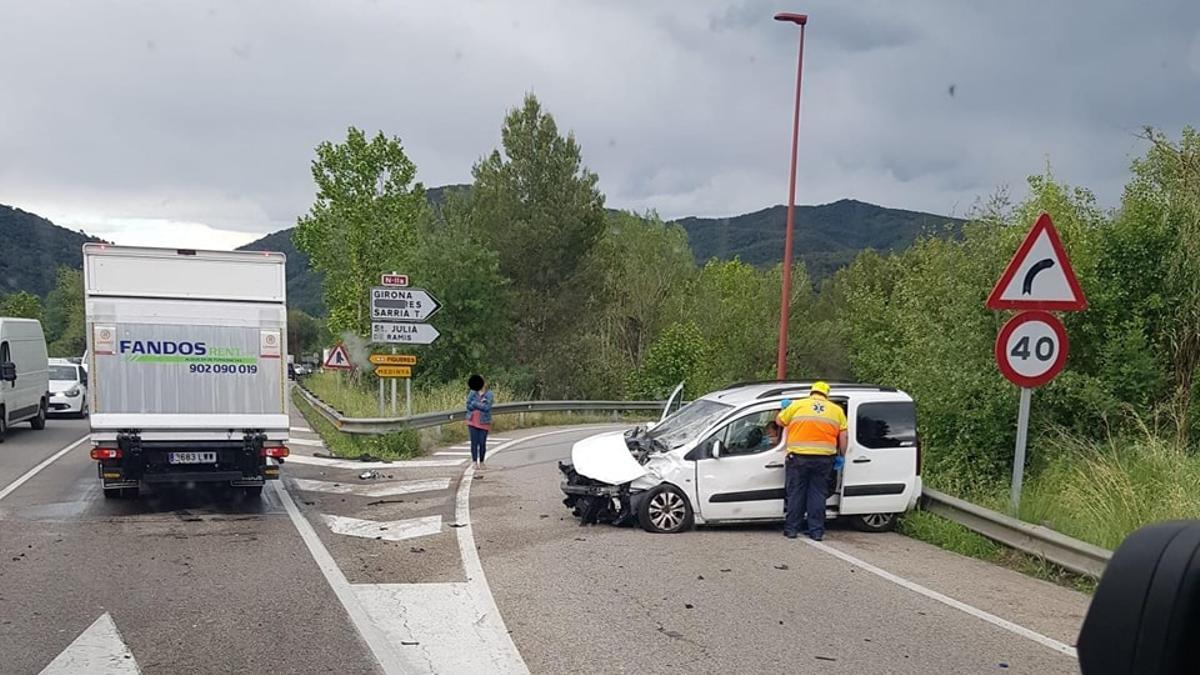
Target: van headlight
column 72, row 392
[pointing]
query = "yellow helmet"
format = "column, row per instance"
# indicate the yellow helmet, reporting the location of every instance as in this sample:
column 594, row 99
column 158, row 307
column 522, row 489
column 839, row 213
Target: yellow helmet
column 820, row 387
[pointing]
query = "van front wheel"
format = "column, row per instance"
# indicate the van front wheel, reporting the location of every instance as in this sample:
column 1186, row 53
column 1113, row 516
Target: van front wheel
column 874, row 522
column 39, row 422
column 665, row 510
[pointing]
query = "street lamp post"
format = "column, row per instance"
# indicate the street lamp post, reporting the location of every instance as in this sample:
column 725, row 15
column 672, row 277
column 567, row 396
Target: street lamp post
column 786, row 297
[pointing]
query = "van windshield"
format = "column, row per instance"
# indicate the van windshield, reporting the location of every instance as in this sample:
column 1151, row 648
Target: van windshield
column 63, row 373
column 691, row 419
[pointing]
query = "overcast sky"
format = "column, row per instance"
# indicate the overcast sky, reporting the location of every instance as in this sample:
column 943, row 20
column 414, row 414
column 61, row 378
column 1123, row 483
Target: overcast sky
column 193, row 123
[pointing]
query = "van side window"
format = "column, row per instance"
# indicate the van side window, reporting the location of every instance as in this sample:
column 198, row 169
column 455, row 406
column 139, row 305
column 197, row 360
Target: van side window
column 747, row 435
column 887, row 425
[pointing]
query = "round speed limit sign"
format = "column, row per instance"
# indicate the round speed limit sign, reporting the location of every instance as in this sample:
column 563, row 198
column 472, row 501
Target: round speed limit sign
column 1031, row 348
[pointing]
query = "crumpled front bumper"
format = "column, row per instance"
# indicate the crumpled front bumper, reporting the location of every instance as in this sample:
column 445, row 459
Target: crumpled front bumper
column 592, row 501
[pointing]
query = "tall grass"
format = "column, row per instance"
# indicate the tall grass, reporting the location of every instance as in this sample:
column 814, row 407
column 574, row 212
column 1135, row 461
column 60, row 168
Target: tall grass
column 354, row 398
column 1102, row 491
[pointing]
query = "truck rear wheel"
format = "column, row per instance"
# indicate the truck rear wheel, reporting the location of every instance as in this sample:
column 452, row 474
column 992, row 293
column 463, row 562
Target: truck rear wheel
column 253, row 492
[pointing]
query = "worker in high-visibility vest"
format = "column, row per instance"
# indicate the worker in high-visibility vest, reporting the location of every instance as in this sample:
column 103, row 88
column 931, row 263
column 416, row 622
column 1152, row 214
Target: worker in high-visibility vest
column 816, row 434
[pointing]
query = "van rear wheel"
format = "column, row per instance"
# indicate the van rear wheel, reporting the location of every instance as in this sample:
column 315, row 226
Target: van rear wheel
column 874, row 522
column 39, row 422
column 3, row 423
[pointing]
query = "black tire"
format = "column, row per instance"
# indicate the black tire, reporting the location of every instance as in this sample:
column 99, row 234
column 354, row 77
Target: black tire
column 665, row 510
column 875, row 522
column 3, row 423
column 114, row 493
column 39, row 422
column 253, row 492
column 83, row 410
column 130, row 493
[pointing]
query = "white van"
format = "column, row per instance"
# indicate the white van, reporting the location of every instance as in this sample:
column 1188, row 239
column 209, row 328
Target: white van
column 712, row 462
column 24, row 374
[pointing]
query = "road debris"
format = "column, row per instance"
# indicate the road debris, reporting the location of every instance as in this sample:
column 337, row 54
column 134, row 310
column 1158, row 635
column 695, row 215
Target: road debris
column 826, row 658
column 782, row 566
column 369, row 475
column 688, row 605
column 416, row 549
column 458, row 524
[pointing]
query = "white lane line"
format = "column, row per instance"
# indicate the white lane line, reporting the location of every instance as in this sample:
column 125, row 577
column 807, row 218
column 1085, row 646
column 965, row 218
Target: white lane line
column 388, row 530
column 390, row 489
column 98, row 649
column 460, row 447
column 453, row 453
column 354, row 464
column 1024, row 632
column 34, row 471
column 302, row 430
column 385, row 651
column 489, row 629
column 305, row 441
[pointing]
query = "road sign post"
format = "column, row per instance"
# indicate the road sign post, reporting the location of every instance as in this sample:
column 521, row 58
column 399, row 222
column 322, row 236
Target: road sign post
column 1031, row 348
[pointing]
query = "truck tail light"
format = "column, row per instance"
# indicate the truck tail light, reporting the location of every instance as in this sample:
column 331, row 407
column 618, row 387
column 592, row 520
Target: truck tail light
column 106, row 453
column 275, row 451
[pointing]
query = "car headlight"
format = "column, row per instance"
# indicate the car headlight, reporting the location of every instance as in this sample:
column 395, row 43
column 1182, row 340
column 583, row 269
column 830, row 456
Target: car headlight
column 72, row 392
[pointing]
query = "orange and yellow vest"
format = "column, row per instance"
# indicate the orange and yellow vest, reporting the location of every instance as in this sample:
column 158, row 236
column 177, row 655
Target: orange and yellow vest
column 813, row 424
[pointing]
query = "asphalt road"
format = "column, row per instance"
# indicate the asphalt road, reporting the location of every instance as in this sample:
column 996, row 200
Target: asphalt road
column 330, row 572
column 601, row 599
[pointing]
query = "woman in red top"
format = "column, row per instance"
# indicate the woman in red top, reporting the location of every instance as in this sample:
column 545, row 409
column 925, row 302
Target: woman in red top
column 479, row 418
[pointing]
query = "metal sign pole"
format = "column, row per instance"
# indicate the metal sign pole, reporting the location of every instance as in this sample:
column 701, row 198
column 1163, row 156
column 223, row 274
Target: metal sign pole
column 1019, row 458
column 408, row 397
column 393, row 390
column 381, row 397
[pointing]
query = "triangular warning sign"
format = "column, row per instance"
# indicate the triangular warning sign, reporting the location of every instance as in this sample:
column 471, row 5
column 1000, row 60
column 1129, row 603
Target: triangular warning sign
column 1039, row 276
column 339, row 358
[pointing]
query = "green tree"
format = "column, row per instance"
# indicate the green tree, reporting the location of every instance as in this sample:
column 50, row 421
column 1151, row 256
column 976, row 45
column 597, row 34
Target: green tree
column 363, row 222
column 21, row 304
column 65, row 323
column 305, row 333
column 679, row 354
column 463, row 273
column 538, row 207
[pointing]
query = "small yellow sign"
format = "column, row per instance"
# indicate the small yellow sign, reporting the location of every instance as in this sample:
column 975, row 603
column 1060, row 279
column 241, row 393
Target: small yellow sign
column 393, row 371
column 393, row 359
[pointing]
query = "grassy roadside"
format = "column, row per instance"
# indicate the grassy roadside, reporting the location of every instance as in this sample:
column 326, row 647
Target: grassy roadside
column 413, row 443
column 934, row 529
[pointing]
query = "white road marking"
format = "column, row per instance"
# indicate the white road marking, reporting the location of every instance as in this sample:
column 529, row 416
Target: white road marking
column 460, row 447
column 1024, row 632
column 364, row 466
column 388, row 530
column 454, row 453
column 98, row 649
column 463, row 624
column 11, row 487
column 378, row 641
column 306, row 441
column 492, row 636
column 303, row 430
column 373, row 489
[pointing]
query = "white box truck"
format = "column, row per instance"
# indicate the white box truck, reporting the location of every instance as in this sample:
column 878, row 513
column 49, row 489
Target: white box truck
column 186, row 354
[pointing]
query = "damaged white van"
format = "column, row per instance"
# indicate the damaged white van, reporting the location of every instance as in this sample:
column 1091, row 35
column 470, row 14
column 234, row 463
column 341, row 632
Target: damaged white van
column 712, row 462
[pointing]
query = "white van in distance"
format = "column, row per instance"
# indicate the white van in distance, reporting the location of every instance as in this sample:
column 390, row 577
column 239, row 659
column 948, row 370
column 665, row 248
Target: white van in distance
column 24, row 380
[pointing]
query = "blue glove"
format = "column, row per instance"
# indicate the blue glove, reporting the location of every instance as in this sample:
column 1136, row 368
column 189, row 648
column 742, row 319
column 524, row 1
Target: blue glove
column 785, row 403
column 838, row 463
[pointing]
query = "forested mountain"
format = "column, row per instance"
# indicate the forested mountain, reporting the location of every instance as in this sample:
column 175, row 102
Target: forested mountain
column 827, row 238
column 32, row 249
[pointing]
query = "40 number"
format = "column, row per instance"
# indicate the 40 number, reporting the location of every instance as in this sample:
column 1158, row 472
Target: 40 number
column 1043, row 349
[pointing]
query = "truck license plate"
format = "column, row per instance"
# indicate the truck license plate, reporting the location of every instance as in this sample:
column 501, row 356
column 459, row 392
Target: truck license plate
column 192, row 457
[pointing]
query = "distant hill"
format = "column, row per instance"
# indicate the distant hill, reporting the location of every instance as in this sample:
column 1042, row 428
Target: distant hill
column 827, row 237
column 32, row 249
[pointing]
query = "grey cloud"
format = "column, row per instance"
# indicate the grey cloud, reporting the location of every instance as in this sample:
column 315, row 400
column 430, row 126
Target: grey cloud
column 209, row 114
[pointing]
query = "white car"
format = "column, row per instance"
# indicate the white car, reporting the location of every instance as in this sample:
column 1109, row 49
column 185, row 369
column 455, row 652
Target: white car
column 710, row 463
column 68, row 388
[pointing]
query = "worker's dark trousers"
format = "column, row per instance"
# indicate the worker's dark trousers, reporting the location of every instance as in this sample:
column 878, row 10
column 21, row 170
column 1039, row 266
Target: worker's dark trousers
column 807, row 478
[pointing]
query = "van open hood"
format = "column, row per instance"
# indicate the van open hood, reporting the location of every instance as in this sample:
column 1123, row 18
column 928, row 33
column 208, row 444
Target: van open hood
column 606, row 458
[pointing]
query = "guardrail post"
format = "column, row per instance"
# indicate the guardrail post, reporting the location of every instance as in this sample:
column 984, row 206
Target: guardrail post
column 521, row 420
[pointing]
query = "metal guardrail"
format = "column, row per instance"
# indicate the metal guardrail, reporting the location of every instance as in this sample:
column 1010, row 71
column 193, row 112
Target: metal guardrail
column 1066, row 552
column 1077, row 556
column 385, row 425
